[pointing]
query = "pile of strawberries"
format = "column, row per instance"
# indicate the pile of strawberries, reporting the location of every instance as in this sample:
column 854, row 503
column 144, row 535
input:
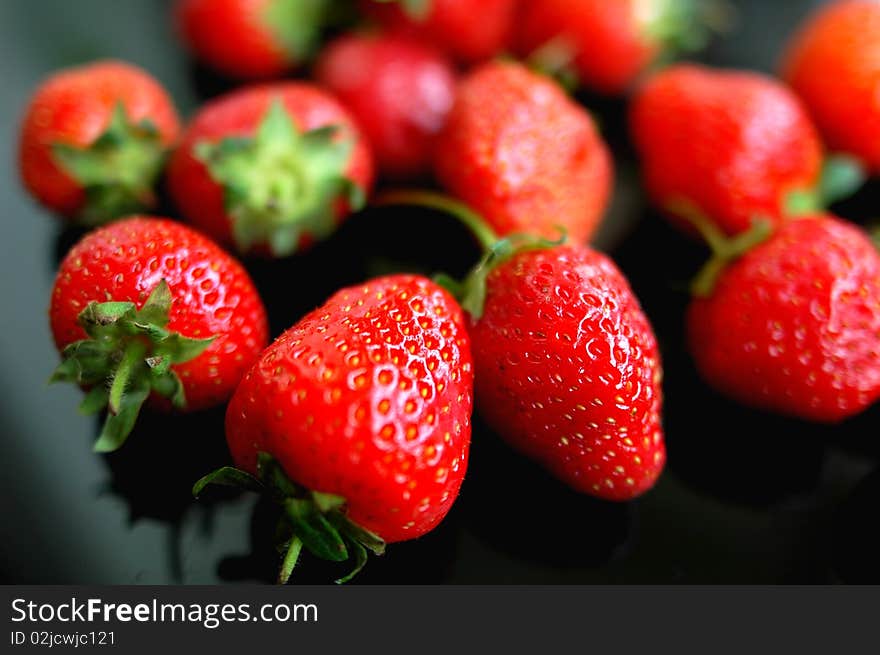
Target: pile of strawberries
column 356, row 421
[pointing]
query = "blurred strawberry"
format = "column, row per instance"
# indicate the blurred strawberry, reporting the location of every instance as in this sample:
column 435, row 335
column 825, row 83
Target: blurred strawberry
column 94, row 139
column 398, row 90
column 731, row 145
column 519, row 151
column 606, row 43
column 833, row 64
column 466, row 31
column 252, row 39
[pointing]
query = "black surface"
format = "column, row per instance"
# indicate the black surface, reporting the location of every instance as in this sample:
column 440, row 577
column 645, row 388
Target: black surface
column 747, row 498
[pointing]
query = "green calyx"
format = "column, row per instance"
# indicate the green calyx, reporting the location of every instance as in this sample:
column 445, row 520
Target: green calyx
column 418, row 10
column 724, row 249
column 842, row 176
column 127, row 356
column 297, row 25
column 683, row 26
column 282, row 184
column 471, row 292
column 308, row 519
column 556, row 59
column 117, row 171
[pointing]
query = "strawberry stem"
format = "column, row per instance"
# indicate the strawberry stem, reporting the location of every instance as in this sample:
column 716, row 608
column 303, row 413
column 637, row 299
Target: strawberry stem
column 724, row 249
column 290, row 559
column 132, row 356
column 475, row 223
column 471, row 292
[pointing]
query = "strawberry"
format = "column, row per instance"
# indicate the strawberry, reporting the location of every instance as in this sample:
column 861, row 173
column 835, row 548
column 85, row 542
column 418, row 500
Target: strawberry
column 467, row 33
column 400, row 92
column 607, row 44
column 146, row 308
column 793, row 325
column 568, row 371
column 523, row 155
column 251, row 39
column 567, row 368
column 357, row 419
column 833, row 64
column 273, row 167
column 93, row 141
column 733, row 145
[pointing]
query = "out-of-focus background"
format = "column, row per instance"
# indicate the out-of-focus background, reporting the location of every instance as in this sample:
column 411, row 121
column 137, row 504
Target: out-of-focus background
column 746, row 498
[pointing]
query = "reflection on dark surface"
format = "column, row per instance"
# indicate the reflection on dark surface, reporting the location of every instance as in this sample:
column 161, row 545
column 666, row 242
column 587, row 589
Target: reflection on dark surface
column 856, row 534
column 523, row 511
column 155, row 469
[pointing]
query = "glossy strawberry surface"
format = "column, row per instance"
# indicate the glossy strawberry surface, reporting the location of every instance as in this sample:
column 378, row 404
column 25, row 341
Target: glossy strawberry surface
column 369, row 397
column 523, row 155
column 794, row 325
column 568, row 370
column 212, row 296
column 731, row 144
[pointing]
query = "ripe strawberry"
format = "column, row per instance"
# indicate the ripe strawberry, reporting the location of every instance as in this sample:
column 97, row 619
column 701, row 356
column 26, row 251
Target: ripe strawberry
column 733, row 145
column 466, row 32
column 365, row 406
column 793, row 326
column 271, row 167
column 148, row 308
column 252, row 39
column 833, row 64
column 523, row 155
column 400, row 92
column 606, row 43
column 568, row 370
column 93, row 141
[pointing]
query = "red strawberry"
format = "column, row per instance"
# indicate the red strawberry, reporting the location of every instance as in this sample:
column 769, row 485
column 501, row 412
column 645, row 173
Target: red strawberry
column 733, row 145
column 568, row 370
column 93, row 140
column 469, row 33
column 606, row 43
column 400, row 92
column 566, row 364
column 252, row 39
column 273, row 167
column 834, row 66
column 146, row 307
column 365, row 405
column 793, row 326
column 523, row 155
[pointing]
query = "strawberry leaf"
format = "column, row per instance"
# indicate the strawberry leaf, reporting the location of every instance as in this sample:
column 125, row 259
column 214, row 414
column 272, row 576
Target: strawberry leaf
column 127, row 355
column 117, row 171
column 281, row 184
column 313, row 520
column 315, row 531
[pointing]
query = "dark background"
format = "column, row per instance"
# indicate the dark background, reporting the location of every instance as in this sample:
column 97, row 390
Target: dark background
column 746, row 498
